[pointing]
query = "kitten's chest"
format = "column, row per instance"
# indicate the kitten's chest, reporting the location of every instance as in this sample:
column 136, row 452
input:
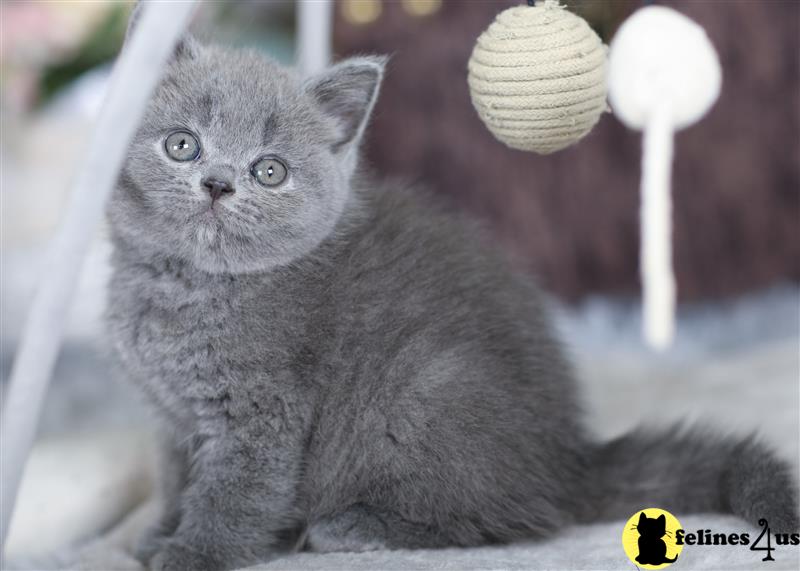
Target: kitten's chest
column 184, row 341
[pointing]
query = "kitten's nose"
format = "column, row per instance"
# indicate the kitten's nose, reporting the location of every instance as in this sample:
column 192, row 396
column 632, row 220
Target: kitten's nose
column 217, row 187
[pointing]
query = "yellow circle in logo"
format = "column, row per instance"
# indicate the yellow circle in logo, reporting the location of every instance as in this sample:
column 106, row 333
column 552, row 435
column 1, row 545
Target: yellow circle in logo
column 649, row 538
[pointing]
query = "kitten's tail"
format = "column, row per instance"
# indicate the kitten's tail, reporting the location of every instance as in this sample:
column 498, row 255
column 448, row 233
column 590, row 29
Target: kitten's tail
column 685, row 471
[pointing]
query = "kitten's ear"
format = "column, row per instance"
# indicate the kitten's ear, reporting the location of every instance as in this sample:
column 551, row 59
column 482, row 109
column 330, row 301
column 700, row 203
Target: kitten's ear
column 662, row 519
column 642, row 518
column 187, row 46
column 347, row 92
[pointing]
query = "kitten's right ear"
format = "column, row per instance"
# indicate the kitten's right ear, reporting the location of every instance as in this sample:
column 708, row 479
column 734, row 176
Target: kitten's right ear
column 187, row 46
column 347, row 92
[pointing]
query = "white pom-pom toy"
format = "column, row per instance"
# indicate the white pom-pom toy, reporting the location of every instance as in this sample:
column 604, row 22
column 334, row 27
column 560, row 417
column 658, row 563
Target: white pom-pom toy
column 663, row 75
column 537, row 77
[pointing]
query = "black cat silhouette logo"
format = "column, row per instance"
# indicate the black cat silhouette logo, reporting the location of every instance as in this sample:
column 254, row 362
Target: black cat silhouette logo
column 649, row 538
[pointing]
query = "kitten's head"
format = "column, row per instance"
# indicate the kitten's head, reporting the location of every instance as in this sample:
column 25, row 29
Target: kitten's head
column 240, row 165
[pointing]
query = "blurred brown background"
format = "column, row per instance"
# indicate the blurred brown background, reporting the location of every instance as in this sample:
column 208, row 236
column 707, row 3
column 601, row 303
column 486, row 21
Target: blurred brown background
column 572, row 217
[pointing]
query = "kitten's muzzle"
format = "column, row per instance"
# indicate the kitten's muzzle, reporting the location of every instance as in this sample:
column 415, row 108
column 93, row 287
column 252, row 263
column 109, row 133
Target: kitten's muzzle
column 217, row 187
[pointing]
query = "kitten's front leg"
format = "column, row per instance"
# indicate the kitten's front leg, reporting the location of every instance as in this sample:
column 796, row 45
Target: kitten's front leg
column 173, row 470
column 239, row 496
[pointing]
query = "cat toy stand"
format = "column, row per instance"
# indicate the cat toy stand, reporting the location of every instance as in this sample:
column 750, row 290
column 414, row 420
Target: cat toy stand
column 314, row 28
column 134, row 78
column 538, row 78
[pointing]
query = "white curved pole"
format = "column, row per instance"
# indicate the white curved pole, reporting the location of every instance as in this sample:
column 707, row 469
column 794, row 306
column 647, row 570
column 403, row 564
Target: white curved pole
column 134, row 77
column 314, row 27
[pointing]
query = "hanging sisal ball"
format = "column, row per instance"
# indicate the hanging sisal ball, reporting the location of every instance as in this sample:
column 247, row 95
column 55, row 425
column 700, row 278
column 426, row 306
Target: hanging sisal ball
column 537, row 77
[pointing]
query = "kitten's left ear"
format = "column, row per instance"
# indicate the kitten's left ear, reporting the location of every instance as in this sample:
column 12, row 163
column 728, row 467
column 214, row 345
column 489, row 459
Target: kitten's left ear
column 187, row 46
column 347, row 92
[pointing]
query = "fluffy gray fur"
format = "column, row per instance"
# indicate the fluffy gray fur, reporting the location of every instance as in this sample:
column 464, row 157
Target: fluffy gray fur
column 342, row 365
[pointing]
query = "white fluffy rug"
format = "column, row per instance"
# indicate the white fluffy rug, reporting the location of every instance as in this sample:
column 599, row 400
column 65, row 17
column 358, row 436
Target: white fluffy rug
column 586, row 547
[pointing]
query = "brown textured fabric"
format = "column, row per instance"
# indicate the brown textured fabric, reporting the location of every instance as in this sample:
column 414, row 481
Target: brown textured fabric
column 572, row 217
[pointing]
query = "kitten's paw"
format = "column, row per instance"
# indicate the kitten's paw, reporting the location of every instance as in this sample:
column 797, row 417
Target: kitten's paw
column 175, row 557
column 150, row 543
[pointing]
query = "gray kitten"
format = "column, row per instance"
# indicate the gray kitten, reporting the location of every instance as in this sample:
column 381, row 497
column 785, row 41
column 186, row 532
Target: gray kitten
column 341, row 365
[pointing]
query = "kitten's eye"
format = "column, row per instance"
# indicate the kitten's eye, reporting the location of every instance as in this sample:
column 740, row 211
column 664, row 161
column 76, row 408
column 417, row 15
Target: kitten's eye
column 269, row 171
column 182, row 146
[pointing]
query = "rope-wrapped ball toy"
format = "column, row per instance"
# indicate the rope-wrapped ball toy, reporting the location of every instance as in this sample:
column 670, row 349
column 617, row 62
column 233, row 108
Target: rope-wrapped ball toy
column 537, row 77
